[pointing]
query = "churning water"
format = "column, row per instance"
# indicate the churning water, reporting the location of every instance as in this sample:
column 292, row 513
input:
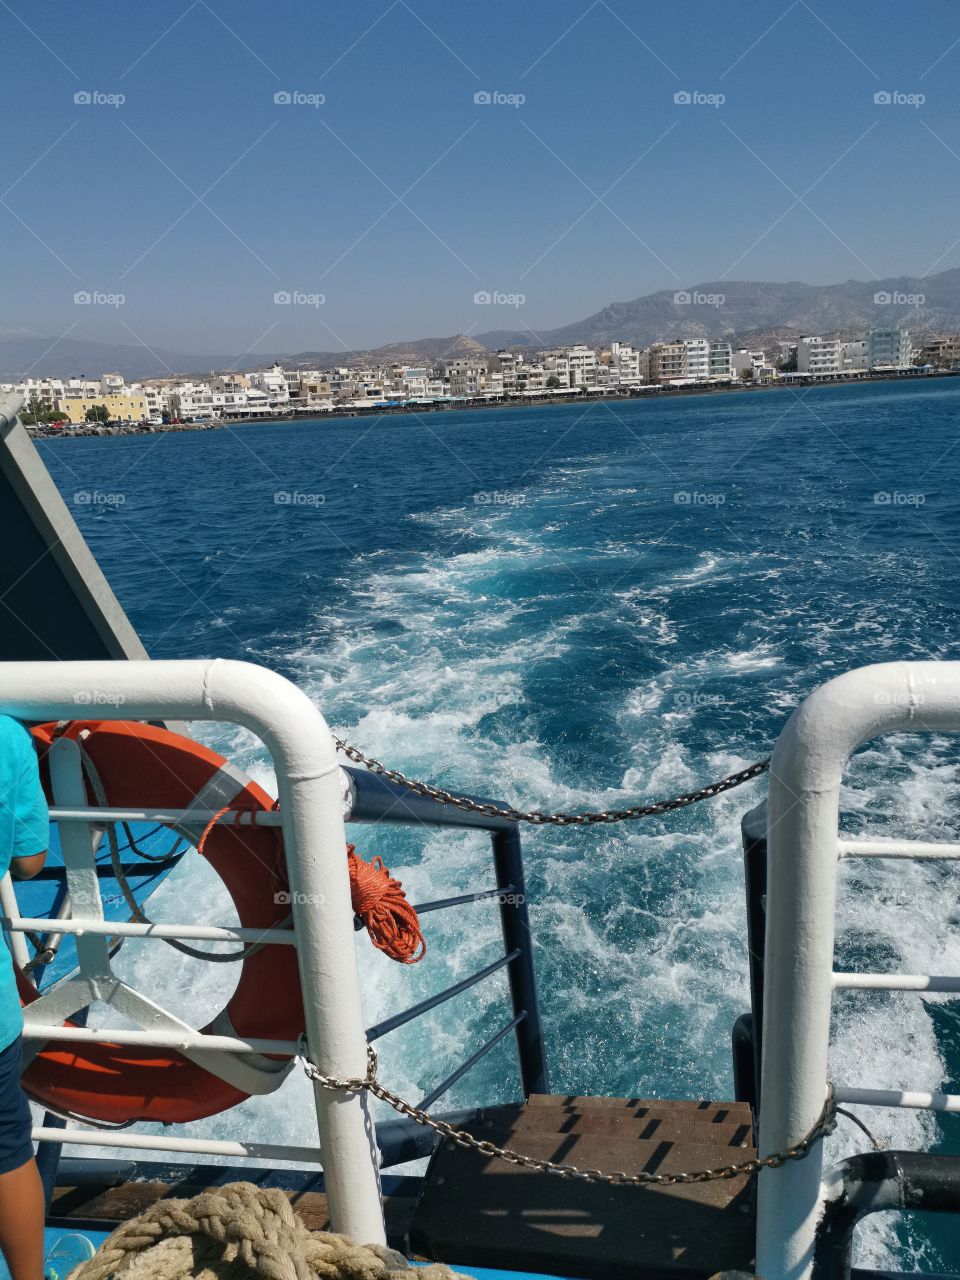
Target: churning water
column 578, row 606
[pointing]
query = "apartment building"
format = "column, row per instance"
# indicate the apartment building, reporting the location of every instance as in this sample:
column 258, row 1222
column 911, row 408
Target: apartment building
column 889, row 349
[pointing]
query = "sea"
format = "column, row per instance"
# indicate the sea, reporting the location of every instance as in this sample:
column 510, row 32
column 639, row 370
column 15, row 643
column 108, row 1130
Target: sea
column 578, row 606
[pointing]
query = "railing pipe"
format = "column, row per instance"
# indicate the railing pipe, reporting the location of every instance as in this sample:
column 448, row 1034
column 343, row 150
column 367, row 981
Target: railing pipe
column 804, row 797
column 426, row 1102
column 131, row 929
column 424, row 1006
column 518, row 938
column 311, row 805
column 377, row 799
column 877, row 1181
column 753, row 829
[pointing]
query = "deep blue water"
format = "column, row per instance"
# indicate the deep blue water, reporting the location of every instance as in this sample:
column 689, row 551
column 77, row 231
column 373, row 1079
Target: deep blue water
column 583, row 605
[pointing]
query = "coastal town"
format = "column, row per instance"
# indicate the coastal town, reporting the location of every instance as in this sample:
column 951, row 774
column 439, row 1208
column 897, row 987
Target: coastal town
column 109, row 401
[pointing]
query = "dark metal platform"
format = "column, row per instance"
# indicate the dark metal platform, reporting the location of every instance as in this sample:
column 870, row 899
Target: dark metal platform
column 481, row 1211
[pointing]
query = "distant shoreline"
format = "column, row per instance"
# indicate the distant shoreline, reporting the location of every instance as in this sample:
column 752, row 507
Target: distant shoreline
column 654, row 393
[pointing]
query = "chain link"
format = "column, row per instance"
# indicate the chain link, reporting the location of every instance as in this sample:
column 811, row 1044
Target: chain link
column 536, row 816
column 825, row 1124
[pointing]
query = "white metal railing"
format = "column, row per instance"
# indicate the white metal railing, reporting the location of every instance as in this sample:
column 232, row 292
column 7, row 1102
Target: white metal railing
column 311, row 817
column 803, row 852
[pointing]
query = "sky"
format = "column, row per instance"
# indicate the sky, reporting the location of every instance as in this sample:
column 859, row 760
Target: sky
column 233, row 177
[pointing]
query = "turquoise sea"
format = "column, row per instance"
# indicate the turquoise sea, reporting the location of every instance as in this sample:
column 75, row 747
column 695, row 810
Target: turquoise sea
column 583, row 605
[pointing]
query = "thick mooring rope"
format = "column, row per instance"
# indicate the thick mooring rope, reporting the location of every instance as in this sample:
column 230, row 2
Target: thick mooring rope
column 241, row 1232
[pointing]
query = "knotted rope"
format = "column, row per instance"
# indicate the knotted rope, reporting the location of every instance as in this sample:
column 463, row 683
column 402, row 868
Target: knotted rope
column 379, row 900
column 240, row 1232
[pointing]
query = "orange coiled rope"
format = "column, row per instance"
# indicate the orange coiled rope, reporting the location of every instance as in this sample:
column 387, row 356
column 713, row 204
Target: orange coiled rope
column 379, row 900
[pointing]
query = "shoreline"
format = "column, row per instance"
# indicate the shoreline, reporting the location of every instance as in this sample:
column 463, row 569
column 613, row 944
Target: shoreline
column 651, row 392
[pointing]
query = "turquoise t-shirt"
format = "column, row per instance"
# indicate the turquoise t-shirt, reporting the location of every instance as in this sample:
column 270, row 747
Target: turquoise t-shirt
column 24, row 831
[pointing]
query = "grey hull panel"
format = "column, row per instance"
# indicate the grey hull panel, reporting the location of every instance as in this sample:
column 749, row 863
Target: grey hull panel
column 55, row 602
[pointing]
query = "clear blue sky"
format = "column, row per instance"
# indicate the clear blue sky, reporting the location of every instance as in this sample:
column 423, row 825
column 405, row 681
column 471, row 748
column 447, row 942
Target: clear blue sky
column 399, row 198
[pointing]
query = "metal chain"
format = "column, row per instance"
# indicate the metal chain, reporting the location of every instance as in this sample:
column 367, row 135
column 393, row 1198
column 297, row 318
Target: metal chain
column 536, row 816
column 825, row 1124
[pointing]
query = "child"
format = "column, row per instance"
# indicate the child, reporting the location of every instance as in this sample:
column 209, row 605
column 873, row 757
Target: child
column 24, row 829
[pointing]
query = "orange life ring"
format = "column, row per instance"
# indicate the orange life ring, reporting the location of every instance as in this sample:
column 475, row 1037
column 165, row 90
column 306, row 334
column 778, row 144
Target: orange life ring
column 146, row 767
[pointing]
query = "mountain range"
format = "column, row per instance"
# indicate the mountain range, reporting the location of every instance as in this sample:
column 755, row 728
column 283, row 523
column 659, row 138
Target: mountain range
column 752, row 313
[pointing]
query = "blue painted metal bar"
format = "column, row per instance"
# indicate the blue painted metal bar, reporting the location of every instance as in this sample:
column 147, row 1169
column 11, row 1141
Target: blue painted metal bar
column 518, row 940
column 105, row 869
column 378, row 800
column 427, row 1102
column 49, row 1153
column 403, row 1140
column 440, row 904
column 415, row 1010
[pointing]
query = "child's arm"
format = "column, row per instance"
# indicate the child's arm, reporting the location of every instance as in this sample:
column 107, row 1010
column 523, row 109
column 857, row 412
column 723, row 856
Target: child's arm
column 25, row 868
column 32, row 827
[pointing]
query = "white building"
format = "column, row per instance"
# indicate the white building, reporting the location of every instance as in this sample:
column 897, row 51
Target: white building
column 819, row 356
column 889, row 349
column 273, row 383
column 697, row 359
column 854, row 356
column 626, row 361
column 720, row 360
column 583, row 366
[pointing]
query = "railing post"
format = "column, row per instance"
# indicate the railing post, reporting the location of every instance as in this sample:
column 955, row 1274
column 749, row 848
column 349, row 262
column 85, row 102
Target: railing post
column 311, row 805
column 753, row 829
column 803, row 848
column 515, row 922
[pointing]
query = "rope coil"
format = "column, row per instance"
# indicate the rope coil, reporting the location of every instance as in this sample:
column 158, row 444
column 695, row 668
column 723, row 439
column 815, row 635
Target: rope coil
column 241, row 1232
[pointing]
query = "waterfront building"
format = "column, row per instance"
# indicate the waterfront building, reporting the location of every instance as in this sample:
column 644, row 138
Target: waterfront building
column 943, row 352
column 126, row 406
column 668, row 361
column 272, row 382
column 697, row 359
column 854, row 356
column 719, row 367
column 820, row 357
column 509, row 363
column 626, row 360
column 889, row 349
column 582, row 365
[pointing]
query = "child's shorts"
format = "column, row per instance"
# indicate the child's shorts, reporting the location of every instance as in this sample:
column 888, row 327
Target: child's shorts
column 16, row 1147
